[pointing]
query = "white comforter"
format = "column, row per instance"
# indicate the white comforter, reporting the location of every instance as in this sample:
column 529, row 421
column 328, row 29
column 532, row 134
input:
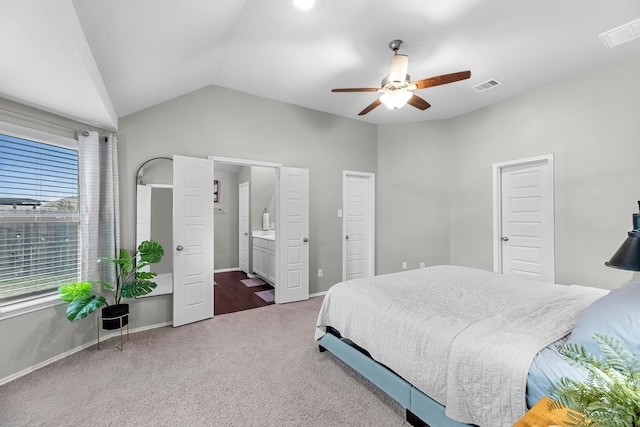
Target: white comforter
column 465, row 337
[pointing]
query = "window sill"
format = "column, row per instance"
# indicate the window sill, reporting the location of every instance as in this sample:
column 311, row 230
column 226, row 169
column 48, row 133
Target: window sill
column 25, row 306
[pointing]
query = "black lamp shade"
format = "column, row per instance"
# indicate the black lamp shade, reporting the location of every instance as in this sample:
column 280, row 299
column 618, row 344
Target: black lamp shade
column 628, row 256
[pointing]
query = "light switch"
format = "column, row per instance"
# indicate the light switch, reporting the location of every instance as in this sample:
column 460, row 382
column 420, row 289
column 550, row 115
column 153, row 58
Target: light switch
column 339, row 213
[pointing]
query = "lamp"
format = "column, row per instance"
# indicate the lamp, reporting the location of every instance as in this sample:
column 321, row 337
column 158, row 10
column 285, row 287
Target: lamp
column 628, row 256
column 394, row 99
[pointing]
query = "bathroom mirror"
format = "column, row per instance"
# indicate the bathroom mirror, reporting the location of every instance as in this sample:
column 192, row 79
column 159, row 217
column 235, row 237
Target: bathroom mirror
column 154, row 216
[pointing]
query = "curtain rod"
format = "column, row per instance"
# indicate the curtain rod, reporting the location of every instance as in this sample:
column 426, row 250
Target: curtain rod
column 38, row 120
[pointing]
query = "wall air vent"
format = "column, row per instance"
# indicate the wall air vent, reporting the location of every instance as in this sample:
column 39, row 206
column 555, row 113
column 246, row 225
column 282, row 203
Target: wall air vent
column 486, row 85
column 622, row 34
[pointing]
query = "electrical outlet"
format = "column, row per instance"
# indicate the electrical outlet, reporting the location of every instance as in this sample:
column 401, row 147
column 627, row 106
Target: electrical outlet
column 404, row 265
column 319, row 272
column 423, row 265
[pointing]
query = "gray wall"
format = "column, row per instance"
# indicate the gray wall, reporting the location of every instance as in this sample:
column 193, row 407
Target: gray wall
column 226, row 222
column 162, row 226
column 412, row 195
column 262, row 188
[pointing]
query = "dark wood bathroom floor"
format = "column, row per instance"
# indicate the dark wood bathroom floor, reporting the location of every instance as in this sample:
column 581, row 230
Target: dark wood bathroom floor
column 231, row 295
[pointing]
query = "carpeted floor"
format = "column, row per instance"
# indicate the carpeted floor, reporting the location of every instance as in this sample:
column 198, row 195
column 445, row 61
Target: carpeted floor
column 258, row 367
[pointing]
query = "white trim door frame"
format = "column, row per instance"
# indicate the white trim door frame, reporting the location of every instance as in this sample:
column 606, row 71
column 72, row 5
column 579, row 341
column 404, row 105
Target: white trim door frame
column 361, row 222
column 547, row 224
column 243, row 232
column 285, row 291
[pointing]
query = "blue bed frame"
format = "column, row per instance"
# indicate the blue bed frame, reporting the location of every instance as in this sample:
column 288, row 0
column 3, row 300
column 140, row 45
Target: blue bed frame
column 421, row 410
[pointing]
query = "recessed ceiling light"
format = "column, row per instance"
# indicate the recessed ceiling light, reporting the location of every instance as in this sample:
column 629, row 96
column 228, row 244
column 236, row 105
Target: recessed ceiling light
column 304, row 4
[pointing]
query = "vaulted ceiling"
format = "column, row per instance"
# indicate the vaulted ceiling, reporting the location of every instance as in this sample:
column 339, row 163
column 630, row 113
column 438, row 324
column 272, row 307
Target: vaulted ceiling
column 98, row 60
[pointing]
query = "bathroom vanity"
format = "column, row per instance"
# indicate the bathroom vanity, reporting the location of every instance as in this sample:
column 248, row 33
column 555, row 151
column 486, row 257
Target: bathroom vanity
column 264, row 255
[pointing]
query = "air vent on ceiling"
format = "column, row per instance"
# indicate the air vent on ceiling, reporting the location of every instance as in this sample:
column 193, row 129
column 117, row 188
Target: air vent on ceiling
column 622, row 34
column 486, row 85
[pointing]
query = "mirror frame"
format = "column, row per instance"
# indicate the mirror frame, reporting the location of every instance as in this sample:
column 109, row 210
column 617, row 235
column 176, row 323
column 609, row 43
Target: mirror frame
column 135, row 196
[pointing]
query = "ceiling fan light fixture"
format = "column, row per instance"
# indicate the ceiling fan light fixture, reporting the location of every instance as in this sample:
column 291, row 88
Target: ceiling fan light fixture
column 397, row 87
column 399, row 68
column 395, row 99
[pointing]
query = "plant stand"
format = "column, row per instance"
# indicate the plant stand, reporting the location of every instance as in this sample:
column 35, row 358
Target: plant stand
column 120, row 319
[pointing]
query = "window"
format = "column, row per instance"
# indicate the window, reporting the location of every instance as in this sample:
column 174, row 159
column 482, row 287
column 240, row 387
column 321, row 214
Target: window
column 39, row 217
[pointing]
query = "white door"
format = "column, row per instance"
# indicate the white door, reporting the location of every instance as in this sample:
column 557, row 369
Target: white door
column 292, row 236
column 243, row 222
column 526, row 220
column 192, row 239
column 358, row 225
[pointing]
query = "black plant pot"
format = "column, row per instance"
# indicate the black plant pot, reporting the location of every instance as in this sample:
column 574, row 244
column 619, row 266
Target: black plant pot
column 116, row 311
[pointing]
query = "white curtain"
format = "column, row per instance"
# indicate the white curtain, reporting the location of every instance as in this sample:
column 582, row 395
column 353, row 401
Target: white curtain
column 99, row 205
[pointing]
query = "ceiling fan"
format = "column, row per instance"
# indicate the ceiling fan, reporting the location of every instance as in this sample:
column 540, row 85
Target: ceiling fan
column 397, row 87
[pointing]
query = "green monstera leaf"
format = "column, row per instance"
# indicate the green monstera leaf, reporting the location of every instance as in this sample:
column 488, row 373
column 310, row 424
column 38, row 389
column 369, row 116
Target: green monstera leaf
column 82, row 307
column 145, row 275
column 71, row 291
column 150, row 251
column 137, row 288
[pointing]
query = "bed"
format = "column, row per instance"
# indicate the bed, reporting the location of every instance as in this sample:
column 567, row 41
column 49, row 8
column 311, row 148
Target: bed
column 455, row 346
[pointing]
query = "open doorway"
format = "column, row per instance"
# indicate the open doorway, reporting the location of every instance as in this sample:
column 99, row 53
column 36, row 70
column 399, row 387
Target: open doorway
column 244, row 235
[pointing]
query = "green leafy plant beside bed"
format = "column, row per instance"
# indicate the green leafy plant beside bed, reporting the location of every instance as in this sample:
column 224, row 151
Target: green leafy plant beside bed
column 85, row 297
column 610, row 397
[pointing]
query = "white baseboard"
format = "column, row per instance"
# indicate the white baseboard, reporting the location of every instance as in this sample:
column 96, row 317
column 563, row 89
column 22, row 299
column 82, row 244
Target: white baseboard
column 318, row 294
column 224, row 270
column 75, row 350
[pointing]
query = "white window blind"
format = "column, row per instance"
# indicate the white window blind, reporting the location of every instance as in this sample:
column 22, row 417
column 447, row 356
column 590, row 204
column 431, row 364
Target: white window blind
column 39, row 217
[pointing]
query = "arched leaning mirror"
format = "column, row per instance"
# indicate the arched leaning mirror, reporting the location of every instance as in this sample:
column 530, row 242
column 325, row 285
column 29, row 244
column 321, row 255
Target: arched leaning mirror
column 154, row 216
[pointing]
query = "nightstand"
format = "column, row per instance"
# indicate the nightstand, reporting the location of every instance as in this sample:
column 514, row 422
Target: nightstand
column 540, row 416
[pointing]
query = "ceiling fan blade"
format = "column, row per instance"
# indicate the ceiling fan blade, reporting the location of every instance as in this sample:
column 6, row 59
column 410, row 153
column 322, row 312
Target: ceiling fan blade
column 419, row 103
column 442, row 80
column 371, row 106
column 356, row 89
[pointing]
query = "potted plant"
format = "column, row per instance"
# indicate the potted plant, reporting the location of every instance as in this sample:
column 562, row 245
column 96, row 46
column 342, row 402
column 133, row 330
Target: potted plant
column 85, row 297
column 610, row 397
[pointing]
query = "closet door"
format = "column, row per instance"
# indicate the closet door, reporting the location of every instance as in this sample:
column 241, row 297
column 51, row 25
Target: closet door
column 192, row 239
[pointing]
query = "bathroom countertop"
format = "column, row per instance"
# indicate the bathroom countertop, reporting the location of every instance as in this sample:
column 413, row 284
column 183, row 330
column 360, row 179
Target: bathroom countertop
column 266, row 235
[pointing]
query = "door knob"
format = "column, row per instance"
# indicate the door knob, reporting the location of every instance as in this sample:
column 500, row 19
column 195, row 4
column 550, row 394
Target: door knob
column 505, row 239
column 346, row 237
column 179, row 248
column 305, row 240
column 245, row 233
